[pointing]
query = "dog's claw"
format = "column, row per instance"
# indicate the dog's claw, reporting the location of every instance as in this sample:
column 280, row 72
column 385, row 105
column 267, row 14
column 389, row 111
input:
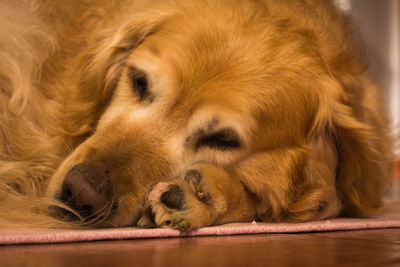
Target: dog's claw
column 200, row 195
column 170, row 224
column 184, row 226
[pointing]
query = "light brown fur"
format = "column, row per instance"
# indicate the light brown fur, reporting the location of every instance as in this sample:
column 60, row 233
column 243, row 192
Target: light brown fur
column 285, row 77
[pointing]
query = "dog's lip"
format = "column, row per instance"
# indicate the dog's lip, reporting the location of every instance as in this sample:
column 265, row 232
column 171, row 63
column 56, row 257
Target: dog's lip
column 69, row 216
column 63, row 214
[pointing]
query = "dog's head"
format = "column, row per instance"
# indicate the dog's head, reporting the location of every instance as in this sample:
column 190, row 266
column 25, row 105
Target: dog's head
column 184, row 83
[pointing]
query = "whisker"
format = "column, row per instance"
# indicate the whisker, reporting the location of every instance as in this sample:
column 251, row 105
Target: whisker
column 99, row 216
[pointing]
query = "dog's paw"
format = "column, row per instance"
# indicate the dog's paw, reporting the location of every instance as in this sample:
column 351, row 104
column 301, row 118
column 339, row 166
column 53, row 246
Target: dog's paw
column 193, row 200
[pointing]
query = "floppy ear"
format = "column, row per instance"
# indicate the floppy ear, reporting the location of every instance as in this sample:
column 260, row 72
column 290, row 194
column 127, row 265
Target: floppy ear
column 359, row 138
column 99, row 69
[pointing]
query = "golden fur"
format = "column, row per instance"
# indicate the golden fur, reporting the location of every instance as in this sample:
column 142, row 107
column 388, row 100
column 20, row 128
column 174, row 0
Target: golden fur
column 253, row 109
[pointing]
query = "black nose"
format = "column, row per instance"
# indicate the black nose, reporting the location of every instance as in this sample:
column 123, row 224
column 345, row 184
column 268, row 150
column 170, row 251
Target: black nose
column 173, row 198
column 87, row 189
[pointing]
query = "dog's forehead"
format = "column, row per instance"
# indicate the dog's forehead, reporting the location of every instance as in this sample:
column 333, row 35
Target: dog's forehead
column 208, row 60
column 211, row 52
column 235, row 61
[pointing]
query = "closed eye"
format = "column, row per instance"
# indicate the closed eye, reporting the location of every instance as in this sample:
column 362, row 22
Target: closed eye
column 225, row 139
column 140, row 83
column 140, row 86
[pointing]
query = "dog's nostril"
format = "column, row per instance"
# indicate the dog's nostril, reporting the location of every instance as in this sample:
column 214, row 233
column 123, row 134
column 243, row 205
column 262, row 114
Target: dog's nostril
column 173, row 198
column 87, row 190
column 66, row 194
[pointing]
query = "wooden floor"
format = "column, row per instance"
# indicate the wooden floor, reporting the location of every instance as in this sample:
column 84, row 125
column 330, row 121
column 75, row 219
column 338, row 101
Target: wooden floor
column 348, row 248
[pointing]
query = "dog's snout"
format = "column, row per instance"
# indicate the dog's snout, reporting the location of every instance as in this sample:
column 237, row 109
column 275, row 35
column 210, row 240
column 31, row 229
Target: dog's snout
column 87, row 189
column 173, row 198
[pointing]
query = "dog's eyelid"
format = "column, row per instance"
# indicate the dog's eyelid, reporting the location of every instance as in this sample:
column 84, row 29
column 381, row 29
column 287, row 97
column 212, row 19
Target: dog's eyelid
column 224, row 139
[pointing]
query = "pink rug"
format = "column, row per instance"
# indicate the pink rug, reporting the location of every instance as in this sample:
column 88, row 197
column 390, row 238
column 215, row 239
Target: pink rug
column 10, row 236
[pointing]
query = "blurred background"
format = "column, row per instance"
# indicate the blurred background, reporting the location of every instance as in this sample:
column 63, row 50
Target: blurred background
column 378, row 22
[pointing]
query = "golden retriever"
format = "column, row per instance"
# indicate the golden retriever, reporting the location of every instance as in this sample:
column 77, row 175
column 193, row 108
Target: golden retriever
column 185, row 114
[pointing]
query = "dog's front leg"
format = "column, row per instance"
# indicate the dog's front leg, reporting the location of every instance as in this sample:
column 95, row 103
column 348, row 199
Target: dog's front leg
column 295, row 184
column 202, row 195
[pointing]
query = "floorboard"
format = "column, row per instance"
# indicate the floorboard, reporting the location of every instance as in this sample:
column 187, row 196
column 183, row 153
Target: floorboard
column 345, row 248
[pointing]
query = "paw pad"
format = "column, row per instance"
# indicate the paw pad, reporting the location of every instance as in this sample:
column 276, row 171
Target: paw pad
column 193, row 176
column 173, row 197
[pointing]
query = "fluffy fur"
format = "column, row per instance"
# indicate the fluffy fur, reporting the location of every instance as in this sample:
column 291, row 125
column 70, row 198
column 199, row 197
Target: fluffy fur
column 250, row 109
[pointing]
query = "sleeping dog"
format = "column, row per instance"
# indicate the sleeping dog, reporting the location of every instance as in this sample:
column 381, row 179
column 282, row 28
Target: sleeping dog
column 185, row 114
